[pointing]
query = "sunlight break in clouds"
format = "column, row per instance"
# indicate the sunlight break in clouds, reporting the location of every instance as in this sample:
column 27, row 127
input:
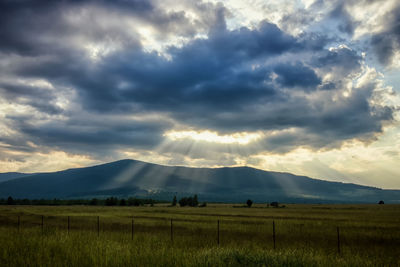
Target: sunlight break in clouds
column 213, row 137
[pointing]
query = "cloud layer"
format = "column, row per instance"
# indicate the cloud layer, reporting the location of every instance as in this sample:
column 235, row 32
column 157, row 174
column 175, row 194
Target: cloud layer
column 98, row 78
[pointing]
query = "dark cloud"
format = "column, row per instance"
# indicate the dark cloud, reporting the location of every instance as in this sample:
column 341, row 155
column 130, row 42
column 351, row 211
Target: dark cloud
column 297, row 75
column 386, row 43
column 40, row 98
column 83, row 133
column 342, row 61
column 260, row 79
column 43, row 27
column 205, row 71
column 346, row 24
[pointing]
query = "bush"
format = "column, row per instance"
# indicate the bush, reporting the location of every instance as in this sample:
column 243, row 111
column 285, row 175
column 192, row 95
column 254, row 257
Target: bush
column 111, row 201
column 135, row 202
column 174, row 201
column 204, row 204
column 189, row 201
column 10, row 201
column 93, row 202
column 274, row 204
column 249, row 202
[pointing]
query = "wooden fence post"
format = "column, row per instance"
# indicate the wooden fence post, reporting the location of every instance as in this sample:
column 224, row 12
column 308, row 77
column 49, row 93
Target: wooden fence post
column 172, row 232
column 68, row 225
column 98, row 225
column 273, row 233
column 218, row 232
column 19, row 222
column 42, row 224
column 133, row 227
column 338, row 239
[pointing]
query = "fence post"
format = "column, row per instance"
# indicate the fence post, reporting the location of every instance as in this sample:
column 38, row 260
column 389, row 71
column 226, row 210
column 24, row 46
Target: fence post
column 338, row 239
column 273, row 233
column 133, row 229
column 68, row 225
column 42, row 224
column 218, row 232
column 172, row 232
column 19, row 222
column 98, row 225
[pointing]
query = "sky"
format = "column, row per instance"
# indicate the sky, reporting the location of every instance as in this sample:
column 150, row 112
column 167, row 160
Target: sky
column 309, row 87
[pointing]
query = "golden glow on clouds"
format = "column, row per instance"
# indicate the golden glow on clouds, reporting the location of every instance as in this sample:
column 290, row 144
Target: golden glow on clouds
column 375, row 164
column 242, row 138
column 42, row 161
column 148, row 39
column 98, row 50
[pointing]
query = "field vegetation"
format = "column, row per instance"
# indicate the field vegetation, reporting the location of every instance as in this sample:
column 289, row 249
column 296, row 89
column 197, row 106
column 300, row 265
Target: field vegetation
column 305, row 235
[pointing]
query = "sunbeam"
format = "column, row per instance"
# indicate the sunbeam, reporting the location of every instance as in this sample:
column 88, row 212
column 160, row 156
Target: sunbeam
column 242, row 138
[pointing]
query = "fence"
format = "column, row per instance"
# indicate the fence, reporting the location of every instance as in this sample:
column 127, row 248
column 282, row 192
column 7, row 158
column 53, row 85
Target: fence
column 148, row 225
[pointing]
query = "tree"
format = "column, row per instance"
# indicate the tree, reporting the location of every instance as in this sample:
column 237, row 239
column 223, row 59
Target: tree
column 274, row 204
column 189, row 201
column 249, row 203
column 137, row 202
column 111, row 201
column 25, row 201
column 195, row 202
column 122, row 202
column 93, row 202
column 183, row 202
column 10, row 201
column 174, row 201
column 381, row 202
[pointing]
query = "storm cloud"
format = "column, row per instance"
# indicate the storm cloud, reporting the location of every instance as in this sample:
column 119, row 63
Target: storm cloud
column 95, row 77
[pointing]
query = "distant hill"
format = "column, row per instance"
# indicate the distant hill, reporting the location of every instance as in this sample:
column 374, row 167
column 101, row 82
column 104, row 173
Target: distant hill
column 126, row 178
column 12, row 175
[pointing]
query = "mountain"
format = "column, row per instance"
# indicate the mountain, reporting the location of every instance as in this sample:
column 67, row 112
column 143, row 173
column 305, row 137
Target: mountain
column 135, row 178
column 12, row 175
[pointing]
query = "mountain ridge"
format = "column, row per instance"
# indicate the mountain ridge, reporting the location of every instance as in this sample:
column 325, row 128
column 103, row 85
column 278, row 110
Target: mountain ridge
column 128, row 177
column 5, row 176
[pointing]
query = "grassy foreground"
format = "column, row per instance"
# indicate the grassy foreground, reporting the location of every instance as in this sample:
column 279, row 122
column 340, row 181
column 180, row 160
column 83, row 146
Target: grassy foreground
column 306, row 235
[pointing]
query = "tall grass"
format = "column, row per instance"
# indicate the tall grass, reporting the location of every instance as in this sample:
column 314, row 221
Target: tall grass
column 305, row 236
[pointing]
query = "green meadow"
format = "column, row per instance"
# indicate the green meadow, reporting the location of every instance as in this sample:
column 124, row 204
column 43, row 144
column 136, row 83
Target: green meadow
column 305, row 235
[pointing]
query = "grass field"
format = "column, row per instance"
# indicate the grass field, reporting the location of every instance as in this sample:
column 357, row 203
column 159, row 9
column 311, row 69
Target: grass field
column 306, row 235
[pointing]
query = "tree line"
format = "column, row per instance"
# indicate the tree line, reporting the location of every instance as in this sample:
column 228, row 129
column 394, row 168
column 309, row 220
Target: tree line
column 191, row 201
column 111, row 201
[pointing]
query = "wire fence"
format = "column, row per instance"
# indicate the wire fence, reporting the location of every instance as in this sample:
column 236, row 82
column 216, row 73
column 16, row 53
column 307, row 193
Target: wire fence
column 228, row 231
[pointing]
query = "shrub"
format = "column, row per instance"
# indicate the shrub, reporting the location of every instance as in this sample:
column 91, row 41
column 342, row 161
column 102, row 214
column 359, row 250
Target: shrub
column 204, row 204
column 275, row 204
column 189, row 201
column 10, row 201
column 93, row 202
column 249, row 202
column 111, row 201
